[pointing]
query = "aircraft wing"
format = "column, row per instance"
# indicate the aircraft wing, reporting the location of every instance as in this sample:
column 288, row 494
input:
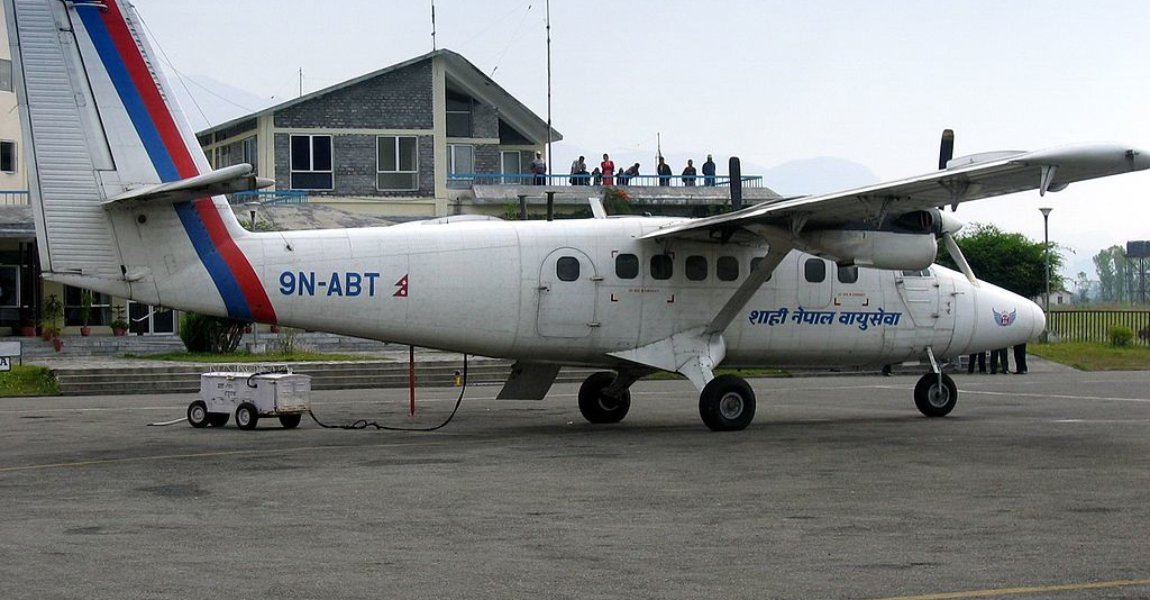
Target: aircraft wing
column 966, row 178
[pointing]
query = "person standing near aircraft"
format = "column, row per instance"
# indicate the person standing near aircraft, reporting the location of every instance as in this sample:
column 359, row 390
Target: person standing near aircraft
column 689, row 173
column 608, row 167
column 539, row 168
column 980, row 357
column 997, row 359
column 709, row 172
column 1020, row 359
column 664, row 171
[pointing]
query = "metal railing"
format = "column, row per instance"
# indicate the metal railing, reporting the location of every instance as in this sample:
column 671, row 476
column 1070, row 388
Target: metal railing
column 14, row 198
column 466, row 180
column 1094, row 325
column 271, row 197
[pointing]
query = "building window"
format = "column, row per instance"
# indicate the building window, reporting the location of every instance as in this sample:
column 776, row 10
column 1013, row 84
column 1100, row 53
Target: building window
column 311, row 160
column 458, row 115
column 460, row 159
column 727, row 268
column 7, row 156
column 848, row 274
column 74, row 307
column 662, row 266
column 815, row 270
column 626, row 266
column 251, row 153
column 567, row 268
column 696, row 268
column 398, row 163
column 5, row 75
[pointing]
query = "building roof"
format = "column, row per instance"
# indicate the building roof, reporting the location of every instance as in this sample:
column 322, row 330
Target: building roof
column 460, row 73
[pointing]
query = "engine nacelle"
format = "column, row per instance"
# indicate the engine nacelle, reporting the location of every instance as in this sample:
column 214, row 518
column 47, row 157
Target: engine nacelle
column 870, row 248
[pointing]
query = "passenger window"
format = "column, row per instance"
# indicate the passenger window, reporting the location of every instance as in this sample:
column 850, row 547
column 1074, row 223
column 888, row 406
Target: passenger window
column 727, row 268
column 848, row 274
column 815, row 270
column 755, row 264
column 662, row 267
column 626, row 266
column 696, row 268
column 567, row 268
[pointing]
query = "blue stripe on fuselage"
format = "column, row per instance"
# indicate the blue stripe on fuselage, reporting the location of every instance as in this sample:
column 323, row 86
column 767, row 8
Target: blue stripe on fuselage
column 129, row 95
column 225, row 281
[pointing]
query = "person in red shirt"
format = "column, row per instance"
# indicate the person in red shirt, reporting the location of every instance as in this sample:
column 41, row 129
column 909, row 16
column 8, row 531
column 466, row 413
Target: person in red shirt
column 608, row 167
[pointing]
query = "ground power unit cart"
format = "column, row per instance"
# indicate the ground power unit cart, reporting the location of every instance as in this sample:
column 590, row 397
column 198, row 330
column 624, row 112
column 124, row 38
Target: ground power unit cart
column 251, row 392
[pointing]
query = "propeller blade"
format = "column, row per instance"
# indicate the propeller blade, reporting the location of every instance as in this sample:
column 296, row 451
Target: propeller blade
column 946, row 149
column 960, row 260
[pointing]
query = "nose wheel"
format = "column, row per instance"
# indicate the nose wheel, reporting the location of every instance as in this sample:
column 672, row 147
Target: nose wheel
column 935, row 394
column 596, row 405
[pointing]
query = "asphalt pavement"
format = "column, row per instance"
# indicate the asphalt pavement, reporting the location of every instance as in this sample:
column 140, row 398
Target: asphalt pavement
column 1036, row 486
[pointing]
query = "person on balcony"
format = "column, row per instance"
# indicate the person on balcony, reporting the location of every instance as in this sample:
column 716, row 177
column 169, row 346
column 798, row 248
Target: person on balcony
column 632, row 172
column 608, row 167
column 709, row 172
column 539, row 168
column 664, row 171
column 597, row 176
column 579, row 172
column 690, row 173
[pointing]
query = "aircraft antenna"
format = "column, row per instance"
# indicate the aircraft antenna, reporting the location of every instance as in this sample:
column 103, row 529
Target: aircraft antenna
column 433, row 48
column 550, row 157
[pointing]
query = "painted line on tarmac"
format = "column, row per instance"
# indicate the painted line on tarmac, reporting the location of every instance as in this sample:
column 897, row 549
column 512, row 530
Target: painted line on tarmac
column 249, row 452
column 1041, row 589
column 1058, row 396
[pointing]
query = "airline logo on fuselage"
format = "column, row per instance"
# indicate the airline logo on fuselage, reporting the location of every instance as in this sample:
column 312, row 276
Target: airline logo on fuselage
column 1005, row 319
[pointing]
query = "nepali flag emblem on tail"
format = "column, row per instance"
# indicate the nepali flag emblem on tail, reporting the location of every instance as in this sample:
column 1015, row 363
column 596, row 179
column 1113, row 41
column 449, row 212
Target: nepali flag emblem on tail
column 1005, row 319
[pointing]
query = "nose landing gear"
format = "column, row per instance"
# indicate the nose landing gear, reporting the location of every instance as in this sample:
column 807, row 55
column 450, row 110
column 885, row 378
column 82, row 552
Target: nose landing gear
column 935, row 394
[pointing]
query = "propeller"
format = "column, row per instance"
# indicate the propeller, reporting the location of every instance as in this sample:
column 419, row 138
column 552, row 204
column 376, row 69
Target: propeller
column 946, row 148
column 949, row 225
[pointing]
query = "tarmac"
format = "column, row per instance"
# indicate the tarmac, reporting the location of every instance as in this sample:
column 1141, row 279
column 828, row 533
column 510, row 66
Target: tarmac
column 1034, row 487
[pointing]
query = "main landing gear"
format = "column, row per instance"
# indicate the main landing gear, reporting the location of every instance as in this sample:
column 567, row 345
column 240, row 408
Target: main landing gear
column 727, row 402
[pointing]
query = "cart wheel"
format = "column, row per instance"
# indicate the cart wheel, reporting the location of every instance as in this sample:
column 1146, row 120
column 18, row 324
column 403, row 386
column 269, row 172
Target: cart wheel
column 198, row 414
column 247, row 416
column 290, row 421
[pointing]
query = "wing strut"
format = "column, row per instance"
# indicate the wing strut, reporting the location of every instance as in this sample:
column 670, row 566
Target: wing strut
column 695, row 352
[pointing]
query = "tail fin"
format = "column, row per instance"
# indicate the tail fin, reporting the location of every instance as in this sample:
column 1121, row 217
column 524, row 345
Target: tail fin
column 117, row 179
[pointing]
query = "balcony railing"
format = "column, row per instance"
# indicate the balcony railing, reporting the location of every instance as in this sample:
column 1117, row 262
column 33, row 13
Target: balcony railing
column 13, row 197
column 466, row 180
column 271, row 197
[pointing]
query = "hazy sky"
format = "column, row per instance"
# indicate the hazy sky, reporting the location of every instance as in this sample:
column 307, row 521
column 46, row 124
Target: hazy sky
column 871, row 82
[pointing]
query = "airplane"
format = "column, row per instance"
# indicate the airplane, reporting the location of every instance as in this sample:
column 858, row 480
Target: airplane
column 125, row 203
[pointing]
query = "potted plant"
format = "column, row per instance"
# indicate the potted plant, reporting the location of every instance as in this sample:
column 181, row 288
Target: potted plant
column 85, row 312
column 119, row 324
column 50, row 315
column 27, row 327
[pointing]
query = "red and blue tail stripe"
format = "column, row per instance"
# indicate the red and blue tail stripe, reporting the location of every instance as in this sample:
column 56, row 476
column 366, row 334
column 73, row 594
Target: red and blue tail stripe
column 243, row 294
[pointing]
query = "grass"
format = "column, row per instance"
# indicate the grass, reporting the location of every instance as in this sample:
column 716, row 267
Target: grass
column 28, row 380
column 246, row 357
column 1094, row 356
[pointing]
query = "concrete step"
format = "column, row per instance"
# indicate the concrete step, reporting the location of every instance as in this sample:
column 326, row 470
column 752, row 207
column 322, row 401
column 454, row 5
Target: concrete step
column 325, row 376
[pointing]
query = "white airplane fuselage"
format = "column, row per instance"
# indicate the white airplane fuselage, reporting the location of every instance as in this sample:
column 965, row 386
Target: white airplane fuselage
column 560, row 292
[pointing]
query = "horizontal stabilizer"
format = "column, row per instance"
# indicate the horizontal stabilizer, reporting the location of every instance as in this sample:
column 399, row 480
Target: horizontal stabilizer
column 236, row 178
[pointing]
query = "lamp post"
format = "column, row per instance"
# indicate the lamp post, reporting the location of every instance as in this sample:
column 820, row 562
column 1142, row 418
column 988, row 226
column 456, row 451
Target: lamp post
column 1046, row 241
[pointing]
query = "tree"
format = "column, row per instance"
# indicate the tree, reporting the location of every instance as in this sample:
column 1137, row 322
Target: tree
column 1114, row 273
column 1008, row 260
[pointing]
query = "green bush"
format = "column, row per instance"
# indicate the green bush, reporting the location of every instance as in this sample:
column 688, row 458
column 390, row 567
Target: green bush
column 217, row 335
column 1120, row 335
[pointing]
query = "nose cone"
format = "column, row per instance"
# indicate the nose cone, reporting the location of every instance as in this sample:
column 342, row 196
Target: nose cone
column 1003, row 319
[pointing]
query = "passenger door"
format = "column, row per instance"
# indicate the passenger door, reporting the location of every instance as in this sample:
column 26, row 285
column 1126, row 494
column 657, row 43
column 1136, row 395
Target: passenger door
column 568, row 285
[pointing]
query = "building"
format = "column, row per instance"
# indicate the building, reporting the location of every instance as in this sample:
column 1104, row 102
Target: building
column 389, row 142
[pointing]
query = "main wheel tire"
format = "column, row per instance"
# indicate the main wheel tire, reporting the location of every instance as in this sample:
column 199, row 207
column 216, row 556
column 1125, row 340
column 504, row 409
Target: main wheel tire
column 727, row 403
column 933, row 400
column 218, row 419
column 290, row 421
column 247, row 416
column 198, row 415
column 598, row 407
